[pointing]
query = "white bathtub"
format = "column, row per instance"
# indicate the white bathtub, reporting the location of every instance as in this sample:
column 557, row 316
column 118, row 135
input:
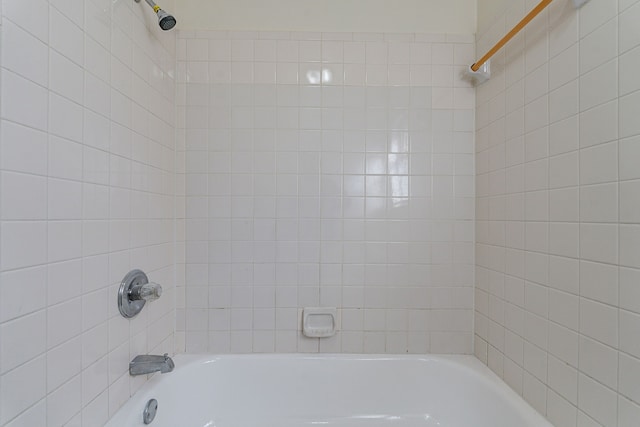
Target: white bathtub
column 329, row 390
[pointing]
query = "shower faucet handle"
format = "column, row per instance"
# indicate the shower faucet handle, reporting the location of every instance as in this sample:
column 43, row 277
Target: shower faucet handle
column 148, row 292
column 135, row 290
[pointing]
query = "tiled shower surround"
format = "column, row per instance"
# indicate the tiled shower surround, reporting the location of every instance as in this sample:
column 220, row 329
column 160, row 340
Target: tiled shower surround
column 319, row 169
column 558, row 211
column 331, row 169
column 86, row 194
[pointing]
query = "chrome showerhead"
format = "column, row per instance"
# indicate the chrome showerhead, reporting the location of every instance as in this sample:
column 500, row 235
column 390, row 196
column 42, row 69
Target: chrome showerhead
column 165, row 20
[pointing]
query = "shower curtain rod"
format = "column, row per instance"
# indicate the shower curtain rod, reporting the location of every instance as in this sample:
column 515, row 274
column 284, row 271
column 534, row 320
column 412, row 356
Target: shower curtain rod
column 515, row 30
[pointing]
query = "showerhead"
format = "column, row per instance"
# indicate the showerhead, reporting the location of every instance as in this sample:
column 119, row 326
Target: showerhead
column 165, row 20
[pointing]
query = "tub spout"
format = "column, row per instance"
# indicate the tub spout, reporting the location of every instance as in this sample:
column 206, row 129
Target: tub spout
column 148, row 364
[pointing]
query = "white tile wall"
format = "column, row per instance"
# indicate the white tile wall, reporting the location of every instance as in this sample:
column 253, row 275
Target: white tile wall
column 319, row 169
column 326, row 169
column 557, row 212
column 86, row 194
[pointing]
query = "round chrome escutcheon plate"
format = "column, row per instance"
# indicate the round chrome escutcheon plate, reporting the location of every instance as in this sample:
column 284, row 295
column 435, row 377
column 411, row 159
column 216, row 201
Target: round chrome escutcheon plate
column 129, row 308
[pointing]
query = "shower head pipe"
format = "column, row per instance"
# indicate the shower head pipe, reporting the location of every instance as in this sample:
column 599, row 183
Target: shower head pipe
column 165, row 20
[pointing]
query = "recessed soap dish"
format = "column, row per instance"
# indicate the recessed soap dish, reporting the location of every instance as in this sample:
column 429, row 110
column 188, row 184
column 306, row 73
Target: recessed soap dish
column 319, row 322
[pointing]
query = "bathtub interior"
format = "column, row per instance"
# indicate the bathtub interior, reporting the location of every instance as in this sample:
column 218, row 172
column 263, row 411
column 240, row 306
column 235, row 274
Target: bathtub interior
column 294, row 390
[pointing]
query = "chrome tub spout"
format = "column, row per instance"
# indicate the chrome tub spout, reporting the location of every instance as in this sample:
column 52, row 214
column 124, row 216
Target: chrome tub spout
column 148, row 364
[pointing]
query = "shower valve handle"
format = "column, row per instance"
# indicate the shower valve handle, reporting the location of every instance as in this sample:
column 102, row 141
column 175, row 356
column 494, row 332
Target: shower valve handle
column 148, row 292
column 135, row 290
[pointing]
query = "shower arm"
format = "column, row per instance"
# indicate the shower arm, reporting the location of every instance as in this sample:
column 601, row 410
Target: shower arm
column 151, row 3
